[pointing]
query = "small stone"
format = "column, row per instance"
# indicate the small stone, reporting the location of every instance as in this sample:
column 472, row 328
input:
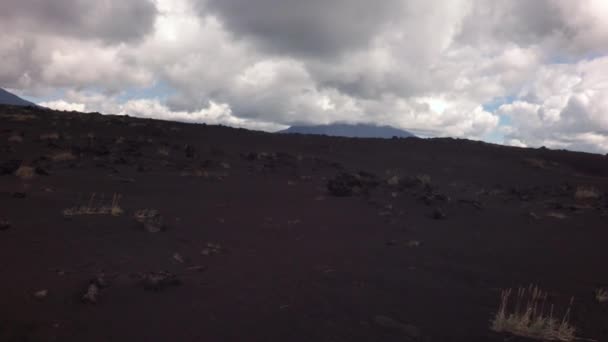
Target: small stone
column 393, row 181
column 558, row 216
column 151, row 220
column 158, row 281
column 41, row 294
column 177, row 257
column 41, row 171
column 212, row 248
column 100, row 281
column 197, row 268
column 90, row 297
column 9, row 167
column 413, row 243
column 438, row 214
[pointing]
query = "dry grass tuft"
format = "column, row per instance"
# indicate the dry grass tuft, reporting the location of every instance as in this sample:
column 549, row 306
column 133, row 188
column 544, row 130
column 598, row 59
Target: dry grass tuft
column 558, row 216
column 50, row 136
column 25, row 172
column 18, row 117
column 586, row 193
column 601, row 295
column 62, row 156
column 95, row 207
column 163, row 151
column 531, row 316
column 15, row 138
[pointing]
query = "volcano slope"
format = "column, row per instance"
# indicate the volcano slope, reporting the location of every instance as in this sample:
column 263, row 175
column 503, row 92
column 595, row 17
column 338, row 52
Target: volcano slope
column 114, row 228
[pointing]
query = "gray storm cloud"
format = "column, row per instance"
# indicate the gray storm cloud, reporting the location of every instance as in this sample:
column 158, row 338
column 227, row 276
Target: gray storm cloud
column 110, row 20
column 306, row 28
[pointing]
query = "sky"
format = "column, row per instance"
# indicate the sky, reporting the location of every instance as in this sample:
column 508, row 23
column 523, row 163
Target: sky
column 514, row 72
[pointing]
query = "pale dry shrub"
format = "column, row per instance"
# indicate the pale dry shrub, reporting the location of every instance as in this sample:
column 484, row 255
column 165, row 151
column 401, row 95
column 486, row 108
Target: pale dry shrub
column 529, row 315
column 15, row 138
column 62, row 156
column 25, row 172
column 50, row 136
column 586, row 193
column 601, row 295
column 96, row 207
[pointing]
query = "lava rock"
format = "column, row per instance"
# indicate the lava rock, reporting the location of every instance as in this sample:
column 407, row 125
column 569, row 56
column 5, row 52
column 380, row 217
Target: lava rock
column 438, row 214
column 9, row 167
column 4, row 225
column 151, row 220
column 92, row 293
column 348, row 184
column 158, row 281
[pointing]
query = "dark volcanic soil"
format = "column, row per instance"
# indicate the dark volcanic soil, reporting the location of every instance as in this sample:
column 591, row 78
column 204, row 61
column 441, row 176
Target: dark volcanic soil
column 221, row 234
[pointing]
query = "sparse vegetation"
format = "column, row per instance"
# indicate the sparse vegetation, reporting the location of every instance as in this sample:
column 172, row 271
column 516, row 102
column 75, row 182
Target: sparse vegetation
column 62, row 156
column 15, row 138
column 50, row 136
column 25, row 172
column 586, row 193
column 601, row 295
column 96, row 207
column 530, row 315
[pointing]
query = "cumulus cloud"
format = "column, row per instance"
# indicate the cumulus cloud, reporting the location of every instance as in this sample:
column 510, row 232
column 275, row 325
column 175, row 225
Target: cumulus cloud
column 565, row 107
column 213, row 113
column 438, row 67
column 64, row 105
column 315, row 27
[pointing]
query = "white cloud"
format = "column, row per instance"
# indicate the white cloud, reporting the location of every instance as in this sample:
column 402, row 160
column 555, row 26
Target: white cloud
column 64, row 105
column 213, row 113
column 565, row 107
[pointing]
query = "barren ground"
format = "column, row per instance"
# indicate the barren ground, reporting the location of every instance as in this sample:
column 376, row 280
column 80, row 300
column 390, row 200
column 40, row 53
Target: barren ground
column 267, row 237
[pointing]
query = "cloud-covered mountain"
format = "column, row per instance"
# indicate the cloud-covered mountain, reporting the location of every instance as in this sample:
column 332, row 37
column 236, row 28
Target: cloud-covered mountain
column 352, row 131
column 7, row 98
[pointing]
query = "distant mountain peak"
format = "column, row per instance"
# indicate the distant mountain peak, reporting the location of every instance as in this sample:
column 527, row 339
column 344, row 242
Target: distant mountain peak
column 350, row 130
column 7, row 98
